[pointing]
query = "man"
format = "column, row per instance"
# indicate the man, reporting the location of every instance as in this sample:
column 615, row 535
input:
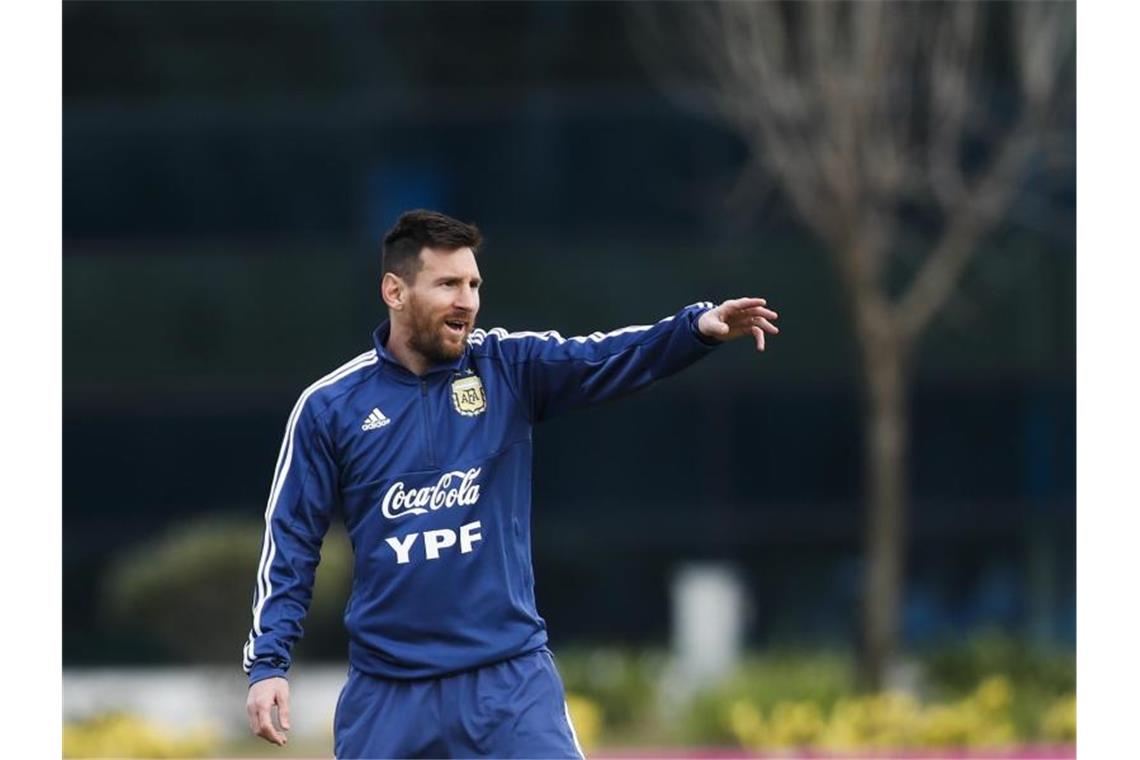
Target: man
column 423, row 445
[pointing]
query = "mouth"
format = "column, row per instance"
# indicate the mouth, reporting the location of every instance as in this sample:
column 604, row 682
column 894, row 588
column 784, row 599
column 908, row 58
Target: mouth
column 456, row 328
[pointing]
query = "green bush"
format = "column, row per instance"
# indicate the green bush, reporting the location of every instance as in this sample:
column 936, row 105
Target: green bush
column 763, row 682
column 884, row 721
column 190, row 590
column 956, row 667
column 1039, row 675
column 621, row 683
column 988, row 692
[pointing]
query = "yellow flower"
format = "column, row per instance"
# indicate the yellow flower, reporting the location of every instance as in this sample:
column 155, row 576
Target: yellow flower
column 994, row 694
column 1059, row 722
column 120, row 735
column 746, row 723
column 795, row 724
column 587, row 718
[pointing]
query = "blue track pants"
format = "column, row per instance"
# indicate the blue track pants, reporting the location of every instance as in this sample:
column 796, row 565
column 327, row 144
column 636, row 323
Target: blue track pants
column 514, row 708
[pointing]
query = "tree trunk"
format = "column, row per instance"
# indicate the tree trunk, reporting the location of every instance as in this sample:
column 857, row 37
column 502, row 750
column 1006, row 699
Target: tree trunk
column 885, row 482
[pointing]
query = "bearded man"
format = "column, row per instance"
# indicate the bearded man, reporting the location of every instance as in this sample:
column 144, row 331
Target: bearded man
column 423, row 445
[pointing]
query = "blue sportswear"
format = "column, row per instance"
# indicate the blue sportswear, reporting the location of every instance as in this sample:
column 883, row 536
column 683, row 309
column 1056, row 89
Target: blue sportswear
column 432, row 476
column 513, row 708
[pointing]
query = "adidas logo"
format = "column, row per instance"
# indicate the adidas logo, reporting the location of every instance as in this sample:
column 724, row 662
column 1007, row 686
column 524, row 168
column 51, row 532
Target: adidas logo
column 376, row 419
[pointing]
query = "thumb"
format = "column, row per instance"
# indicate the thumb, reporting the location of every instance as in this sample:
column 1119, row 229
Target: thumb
column 720, row 326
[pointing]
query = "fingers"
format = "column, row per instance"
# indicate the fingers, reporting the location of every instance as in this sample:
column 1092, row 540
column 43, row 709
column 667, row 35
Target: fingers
column 739, row 316
column 765, row 325
column 744, row 303
column 259, row 710
column 757, row 307
column 761, row 311
column 759, row 335
column 265, row 728
column 283, row 711
column 251, row 716
column 756, row 321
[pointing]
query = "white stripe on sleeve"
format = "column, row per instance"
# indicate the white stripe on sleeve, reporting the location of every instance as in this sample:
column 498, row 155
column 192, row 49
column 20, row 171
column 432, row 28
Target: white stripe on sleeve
column 284, row 459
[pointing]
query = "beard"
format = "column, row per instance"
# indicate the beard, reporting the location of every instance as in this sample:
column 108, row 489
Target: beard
column 431, row 338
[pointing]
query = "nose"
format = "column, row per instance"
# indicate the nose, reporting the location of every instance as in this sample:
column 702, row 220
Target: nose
column 468, row 298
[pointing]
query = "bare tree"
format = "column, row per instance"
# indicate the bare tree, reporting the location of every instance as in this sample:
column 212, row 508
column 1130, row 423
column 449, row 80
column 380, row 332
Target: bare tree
column 867, row 115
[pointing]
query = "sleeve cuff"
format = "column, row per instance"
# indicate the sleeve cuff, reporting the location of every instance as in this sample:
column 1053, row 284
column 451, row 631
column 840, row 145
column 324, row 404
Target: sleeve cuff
column 694, row 318
column 262, row 671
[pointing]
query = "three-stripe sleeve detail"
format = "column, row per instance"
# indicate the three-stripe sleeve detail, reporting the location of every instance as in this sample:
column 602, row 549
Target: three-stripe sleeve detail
column 281, row 472
column 478, row 336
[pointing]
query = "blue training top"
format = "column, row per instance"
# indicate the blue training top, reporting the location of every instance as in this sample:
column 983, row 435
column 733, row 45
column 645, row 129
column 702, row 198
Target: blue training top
column 432, row 475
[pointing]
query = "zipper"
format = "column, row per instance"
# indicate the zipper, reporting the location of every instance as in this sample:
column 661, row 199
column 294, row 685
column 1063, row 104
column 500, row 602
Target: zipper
column 427, row 422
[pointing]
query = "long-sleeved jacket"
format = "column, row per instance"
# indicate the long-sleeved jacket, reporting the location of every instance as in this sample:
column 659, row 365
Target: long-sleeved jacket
column 432, row 476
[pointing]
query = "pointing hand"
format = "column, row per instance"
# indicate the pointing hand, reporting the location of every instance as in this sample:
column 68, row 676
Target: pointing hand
column 738, row 317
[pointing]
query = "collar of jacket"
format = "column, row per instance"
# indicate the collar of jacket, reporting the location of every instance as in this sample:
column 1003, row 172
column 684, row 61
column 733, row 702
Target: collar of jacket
column 401, row 373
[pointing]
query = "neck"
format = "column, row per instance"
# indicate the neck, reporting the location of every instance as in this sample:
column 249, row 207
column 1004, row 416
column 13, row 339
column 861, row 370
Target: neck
column 400, row 348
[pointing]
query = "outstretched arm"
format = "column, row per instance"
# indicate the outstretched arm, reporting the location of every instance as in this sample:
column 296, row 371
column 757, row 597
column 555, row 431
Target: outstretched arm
column 552, row 374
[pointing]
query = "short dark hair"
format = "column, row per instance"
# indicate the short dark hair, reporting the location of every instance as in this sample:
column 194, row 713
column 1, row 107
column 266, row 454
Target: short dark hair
column 419, row 229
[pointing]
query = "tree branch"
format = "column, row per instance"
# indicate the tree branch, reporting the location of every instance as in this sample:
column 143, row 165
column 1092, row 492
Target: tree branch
column 979, row 209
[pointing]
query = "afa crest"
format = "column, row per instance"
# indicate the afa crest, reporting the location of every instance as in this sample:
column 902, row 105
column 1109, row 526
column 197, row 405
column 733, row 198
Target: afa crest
column 468, row 395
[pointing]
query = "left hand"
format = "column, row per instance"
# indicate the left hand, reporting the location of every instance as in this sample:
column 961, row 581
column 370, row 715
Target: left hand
column 740, row 316
column 263, row 696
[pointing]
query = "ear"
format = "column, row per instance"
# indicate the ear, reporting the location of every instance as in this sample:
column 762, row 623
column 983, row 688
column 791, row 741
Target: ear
column 394, row 291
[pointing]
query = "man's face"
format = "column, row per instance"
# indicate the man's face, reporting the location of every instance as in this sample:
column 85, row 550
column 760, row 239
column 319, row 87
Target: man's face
column 443, row 301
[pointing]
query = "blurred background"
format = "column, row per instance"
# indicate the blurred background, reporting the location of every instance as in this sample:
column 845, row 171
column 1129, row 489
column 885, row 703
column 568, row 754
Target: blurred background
column 862, row 538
